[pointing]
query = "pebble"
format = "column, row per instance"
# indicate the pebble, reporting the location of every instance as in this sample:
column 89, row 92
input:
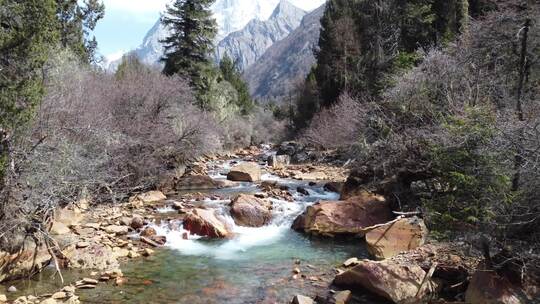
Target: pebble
column 81, row 245
column 343, row 297
column 296, row 270
column 148, row 252
column 90, row 281
column 120, row 281
column 12, row 289
column 351, row 262
column 69, row 289
column 59, row 295
column 3, row 298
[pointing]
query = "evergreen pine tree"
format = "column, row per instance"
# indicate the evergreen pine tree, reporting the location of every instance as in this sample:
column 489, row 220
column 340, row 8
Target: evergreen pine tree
column 76, row 21
column 230, row 73
column 188, row 47
column 27, row 31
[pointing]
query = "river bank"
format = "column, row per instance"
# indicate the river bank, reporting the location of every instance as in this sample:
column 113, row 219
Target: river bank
column 207, row 239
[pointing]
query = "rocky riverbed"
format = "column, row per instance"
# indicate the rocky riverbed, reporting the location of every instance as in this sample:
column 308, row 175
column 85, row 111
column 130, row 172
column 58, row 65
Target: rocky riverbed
column 222, row 234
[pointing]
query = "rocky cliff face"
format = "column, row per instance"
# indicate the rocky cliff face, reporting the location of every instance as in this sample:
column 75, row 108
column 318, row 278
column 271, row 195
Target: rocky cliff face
column 246, row 46
column 287, row 61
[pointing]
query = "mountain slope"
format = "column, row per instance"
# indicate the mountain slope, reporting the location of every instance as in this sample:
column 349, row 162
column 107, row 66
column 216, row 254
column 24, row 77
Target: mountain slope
column 274, row 75
column 231, row 16
column 247, row 45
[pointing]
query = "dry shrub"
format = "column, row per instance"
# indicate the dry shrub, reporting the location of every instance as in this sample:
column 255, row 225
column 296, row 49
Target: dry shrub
column 260, row 126
column 102, row 135
column 337, row 126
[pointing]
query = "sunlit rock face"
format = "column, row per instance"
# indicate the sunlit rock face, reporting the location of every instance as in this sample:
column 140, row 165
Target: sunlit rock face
column 246, row 46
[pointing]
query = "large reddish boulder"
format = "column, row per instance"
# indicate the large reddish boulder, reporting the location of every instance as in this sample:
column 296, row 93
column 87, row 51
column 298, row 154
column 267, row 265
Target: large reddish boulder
column 245, row 172
column 486, row 286
column 353, row 216
column 391, row 239
column 397, row 281
column 205, row 222
column 249, row 211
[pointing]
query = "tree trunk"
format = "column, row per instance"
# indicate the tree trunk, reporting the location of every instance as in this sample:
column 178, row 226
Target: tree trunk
column 519, row 158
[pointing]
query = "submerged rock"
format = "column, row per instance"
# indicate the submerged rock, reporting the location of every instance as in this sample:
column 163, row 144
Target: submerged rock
column 245, row 172
column 204, row 222
column 331, row 218
column 391, row 239
column 393, row 280
column 250, row 211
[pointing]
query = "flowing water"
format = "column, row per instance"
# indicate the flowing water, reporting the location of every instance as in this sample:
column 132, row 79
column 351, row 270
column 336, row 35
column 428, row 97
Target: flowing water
column 255, row 266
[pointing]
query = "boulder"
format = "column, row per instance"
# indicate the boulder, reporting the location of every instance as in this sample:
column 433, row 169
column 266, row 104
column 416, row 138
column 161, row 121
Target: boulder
column 331, row 218
column 486, row 287
column 197, row 182
column 137, row 222
column 245, row 172
column 149, row 232
column 96, row 256
column 147, row 198
column 391, row 239
column 116, row 229
column 289, row 148
column 69, row 216
column 24, row 262
column 299, row 299
column 59, row 228
column 399, row 282
column 204, row 222
column 249, row 211
column 278, row 161
column 333, row 187
column 342, row 297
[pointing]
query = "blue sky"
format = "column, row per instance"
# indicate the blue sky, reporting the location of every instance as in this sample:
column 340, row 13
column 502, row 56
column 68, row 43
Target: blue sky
column 125, row 24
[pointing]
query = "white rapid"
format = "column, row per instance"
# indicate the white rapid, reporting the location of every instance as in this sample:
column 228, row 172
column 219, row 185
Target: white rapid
column 245, row 238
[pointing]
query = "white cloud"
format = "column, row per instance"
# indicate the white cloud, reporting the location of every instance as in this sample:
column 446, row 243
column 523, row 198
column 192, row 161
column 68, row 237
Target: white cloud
column 307, row 5
column 136, row 6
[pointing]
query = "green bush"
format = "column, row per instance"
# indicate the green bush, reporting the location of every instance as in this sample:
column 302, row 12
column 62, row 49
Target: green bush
column 470, row 179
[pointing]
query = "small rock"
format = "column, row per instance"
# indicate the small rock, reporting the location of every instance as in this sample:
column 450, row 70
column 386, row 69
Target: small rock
column 92, row 225
column 32, row 298
column 120, row 281
column 351, row 262
column 296, row 270
column 117, row 230
column 302, row 190
column 137, row 222
column 49, row 301
column 299, row 299
column 87, row 286
column 12, row 289
column 59, row 295
column 3, row 298
column 90, row 281
column 149, row 232
column 59, row 228
column 147, row 252
column 133, row 255
column 69, row 289
column 343, row 297
column 82, row 245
